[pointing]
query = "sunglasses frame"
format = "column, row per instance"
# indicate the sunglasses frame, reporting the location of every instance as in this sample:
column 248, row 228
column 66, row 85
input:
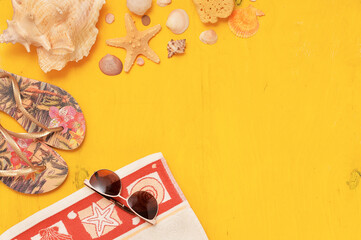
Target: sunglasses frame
column 119, row 204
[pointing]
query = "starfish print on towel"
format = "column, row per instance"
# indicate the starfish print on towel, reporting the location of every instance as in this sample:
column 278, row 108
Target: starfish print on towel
column 101, row 218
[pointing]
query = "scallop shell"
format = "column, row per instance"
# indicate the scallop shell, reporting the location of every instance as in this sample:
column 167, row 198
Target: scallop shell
column 244, row 22
column 110, row 65
column 109, row 18
column 209, row 37
column 178, row 21
column 139, row 7
column 164, row 3
column 62, row 31
column 140, row 61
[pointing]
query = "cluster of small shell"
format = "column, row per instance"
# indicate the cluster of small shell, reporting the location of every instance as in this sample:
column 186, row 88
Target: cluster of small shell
column 64, row 31
column 178, row 23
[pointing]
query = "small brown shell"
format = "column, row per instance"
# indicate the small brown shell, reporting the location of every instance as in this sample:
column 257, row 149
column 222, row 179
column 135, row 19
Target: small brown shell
column 146, row 20
column 110, row 65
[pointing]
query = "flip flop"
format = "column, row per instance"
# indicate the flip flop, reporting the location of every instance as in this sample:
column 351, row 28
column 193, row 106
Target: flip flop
column 29, row 166
column 42, row 107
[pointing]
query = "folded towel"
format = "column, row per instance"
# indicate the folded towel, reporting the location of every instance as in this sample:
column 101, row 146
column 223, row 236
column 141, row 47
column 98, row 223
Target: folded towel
column 87, row 215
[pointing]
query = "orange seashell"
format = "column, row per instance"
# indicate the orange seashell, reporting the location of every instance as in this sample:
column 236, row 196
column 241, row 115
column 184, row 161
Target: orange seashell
column 244, row 22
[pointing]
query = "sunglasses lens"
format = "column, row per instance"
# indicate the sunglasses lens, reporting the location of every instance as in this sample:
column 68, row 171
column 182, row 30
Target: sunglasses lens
column 144, row 204
column 106, row 181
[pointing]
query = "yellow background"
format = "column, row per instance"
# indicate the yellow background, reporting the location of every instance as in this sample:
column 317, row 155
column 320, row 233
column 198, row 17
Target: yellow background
column 261, row 134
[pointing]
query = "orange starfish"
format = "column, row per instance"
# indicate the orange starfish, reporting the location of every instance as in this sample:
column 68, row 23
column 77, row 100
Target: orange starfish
column 135, row 43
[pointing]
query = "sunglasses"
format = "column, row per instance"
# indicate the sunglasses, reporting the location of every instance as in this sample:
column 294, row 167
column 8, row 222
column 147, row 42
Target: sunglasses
column 107, row 183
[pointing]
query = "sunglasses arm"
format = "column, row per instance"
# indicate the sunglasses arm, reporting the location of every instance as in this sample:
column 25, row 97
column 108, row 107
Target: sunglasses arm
column 117, row 203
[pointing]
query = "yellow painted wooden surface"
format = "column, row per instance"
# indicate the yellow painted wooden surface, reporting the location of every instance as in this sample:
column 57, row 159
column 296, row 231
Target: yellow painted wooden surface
column 261, row 133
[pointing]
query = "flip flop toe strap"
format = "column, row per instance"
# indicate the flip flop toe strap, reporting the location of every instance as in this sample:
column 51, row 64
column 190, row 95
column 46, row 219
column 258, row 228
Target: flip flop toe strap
column 29, row 135
column 20, row 106
column 18, row 172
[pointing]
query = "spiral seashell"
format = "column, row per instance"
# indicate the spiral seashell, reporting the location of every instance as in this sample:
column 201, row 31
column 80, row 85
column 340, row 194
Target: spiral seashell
column 178, row 21
column 152, row 186
column 62, row 31
column 53, row 233
column 176, row 47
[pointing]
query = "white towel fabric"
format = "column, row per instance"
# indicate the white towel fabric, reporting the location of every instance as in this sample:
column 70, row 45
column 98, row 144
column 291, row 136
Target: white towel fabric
column 87, row 215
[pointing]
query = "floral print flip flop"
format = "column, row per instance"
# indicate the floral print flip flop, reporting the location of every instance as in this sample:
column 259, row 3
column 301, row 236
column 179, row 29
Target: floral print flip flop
column 30, row 166
column 40, row 106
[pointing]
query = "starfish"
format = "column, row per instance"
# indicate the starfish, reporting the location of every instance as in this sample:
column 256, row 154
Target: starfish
column 136, row 42
column 101, row 218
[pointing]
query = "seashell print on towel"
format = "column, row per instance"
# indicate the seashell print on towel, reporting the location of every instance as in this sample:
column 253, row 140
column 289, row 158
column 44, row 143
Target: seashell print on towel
column 62, row 31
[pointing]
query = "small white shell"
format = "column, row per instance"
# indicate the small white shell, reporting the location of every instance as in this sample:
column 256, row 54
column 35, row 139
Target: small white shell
column 109, row 18
column 178, row 21
column 140, row 61
column 209, row 37
column 139, row 7
column 164, row 3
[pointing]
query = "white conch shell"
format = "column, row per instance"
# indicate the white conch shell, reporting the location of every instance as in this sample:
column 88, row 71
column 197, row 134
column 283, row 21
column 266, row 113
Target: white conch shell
column 139, row 7
column 178, row 21
column 62, row 31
